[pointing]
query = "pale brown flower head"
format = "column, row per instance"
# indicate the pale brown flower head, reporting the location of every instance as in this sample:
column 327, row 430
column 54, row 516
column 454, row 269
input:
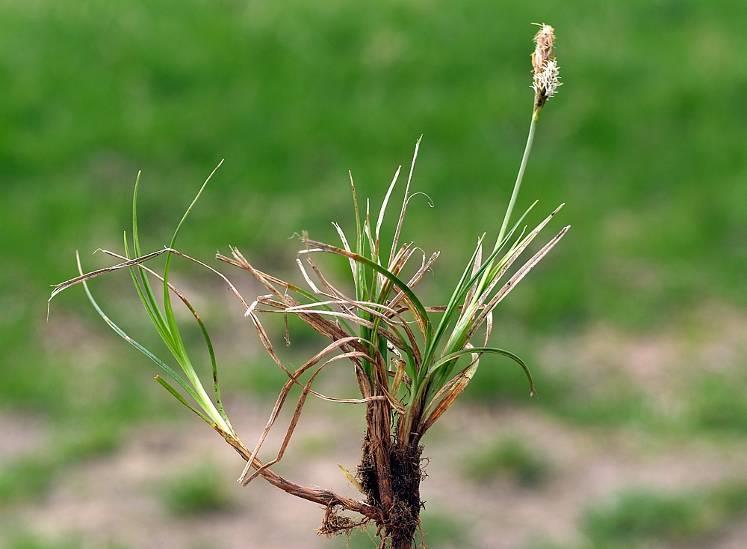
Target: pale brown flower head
column 544, row 42
column 546, row 76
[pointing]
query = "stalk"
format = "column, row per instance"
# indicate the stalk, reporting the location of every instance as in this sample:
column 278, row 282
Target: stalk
column 519, row 178
column 509, row 208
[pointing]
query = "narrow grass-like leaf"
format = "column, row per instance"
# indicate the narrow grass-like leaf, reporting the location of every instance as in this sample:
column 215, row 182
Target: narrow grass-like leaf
column 200, row 323
column 456, row 340
column 461, row 287
column 168, row 308
column 416, row 306
column 168, row 370
column 345, row 245
column 520, row 274
column 150, row 306
column 62, row 286
column 280, row 401
column 405, row 201
column 480, row 350
column 144, row 288
column 178, row 396
column 360, row 277
column 448, row 400
column 499, row 244
column 384, row 204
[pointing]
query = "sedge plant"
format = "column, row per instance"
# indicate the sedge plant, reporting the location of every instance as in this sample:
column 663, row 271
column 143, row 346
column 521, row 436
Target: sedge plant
column 410, row 361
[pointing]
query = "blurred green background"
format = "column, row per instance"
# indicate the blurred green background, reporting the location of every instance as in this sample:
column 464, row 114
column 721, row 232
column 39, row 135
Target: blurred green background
column 634, row 325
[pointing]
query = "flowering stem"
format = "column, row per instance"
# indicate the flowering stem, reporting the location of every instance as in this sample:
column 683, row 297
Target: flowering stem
column 456, row 340
column 509, row 210
column 519, row 177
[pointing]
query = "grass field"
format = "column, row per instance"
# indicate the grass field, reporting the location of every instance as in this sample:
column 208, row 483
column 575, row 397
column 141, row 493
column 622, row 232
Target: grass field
column 633, row 325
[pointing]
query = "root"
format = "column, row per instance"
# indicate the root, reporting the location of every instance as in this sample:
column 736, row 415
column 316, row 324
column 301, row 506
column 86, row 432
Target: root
column 335, row 523
column 401, row 520
column 368, row 476
column 404, row 517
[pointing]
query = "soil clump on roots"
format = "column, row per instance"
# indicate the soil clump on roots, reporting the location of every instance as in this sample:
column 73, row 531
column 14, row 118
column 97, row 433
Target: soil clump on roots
column 401, row 520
